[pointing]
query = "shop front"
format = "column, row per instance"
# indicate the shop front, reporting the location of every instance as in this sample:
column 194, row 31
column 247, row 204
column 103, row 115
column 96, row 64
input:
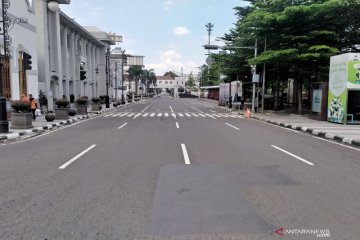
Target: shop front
column 344, row 89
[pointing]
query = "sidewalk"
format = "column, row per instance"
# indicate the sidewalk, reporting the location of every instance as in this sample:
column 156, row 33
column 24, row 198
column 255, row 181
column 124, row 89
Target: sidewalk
column 41, row 125
column 349, row 134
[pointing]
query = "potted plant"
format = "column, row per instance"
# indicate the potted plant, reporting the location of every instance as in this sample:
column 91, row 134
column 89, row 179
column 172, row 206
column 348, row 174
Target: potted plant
column 95, row 104
column 102, row 99
column 22, row 117
column 81, row 105
column 72, row 111
column 50, row 116
column 62, row 110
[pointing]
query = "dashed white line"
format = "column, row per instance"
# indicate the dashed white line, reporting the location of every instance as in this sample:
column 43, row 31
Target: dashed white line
column 122, row 126
column 210, row 116
column 177, row 125
column 145, row 109
column 232, row 126
column 197, row 109
column 185, row 154
column 171, row 109
column 293, row 155
column 65, row 165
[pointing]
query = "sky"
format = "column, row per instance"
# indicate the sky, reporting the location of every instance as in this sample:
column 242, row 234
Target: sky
column 169, row 33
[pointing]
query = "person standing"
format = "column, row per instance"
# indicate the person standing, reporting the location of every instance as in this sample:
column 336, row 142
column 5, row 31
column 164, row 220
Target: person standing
column 33, row 106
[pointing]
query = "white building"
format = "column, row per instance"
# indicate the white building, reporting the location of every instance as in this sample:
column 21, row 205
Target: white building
column 164, row 82
column 65, row 48
column 22, row 31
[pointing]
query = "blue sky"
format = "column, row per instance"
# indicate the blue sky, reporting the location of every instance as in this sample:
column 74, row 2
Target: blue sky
column 169, row 33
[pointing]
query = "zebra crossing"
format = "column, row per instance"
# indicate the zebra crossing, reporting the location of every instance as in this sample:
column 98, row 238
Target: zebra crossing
column 197, row 115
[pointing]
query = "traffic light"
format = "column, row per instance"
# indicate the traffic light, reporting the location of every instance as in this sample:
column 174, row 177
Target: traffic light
column 82, row 73
column 27, row 61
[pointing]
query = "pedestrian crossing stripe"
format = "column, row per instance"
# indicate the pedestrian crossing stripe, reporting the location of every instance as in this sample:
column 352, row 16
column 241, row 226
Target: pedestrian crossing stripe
column 174, row 115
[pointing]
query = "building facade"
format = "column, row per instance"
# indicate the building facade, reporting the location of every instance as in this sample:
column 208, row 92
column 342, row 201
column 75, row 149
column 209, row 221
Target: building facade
column 16, row 81
column 64, row 49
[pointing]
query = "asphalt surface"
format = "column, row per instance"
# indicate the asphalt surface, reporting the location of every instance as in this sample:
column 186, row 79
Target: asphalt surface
column 177, row 169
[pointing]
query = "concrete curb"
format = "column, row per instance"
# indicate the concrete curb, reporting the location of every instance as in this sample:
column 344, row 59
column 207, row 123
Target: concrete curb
column 313, row 132
column 13, row 136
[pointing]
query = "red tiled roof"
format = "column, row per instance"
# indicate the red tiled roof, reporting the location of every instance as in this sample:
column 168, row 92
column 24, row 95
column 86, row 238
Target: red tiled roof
column 168, row 78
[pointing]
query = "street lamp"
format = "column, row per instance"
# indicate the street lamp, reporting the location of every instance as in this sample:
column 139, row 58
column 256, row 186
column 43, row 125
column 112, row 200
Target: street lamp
column 255, row 76
column 123, row 63
column 97, row 69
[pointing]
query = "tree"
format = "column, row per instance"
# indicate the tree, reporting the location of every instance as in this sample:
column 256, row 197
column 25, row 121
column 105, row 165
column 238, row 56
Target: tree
column 301, row 37
column 148, row 78
column 135, row 73
column 171, row 74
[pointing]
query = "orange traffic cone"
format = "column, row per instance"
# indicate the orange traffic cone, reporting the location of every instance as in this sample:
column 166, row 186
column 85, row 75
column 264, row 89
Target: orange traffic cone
column 248, row 113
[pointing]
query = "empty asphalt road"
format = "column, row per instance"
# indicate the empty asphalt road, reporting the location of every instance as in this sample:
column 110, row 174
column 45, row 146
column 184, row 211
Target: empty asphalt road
column 178, row 169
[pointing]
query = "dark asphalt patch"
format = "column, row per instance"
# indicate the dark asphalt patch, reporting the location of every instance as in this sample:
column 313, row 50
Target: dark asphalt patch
column 208, row 199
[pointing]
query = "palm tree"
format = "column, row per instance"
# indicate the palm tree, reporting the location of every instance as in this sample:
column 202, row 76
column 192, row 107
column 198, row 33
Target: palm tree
column 135, row 73
column 148, row 78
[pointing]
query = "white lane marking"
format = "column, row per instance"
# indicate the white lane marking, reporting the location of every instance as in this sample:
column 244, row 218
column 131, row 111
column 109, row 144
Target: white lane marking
column 137, row 115
column 159, row 114
column 202, row 115
column 188, row 115
column 223, row 115
column 289, row 129
column 210, row 116
column 212, row 111
column 145, row 114
column 152, row 115
column 166, row 114
column 180, row 114
column 115, row 115
column 232, row 126
column 293, row 155
column 216, row 115
column 76, row 157
column 131, row 114
column 122, row 115
column 195, row 115
column 177, row 125
column 122, row 126
column 108, row 115
column 171, row 109
column 197, row 109
column 145, row 109
column 343, row 145
column 174, row 115
column 185, row 153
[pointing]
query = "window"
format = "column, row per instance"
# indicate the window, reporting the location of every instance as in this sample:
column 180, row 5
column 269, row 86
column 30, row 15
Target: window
column 166, row 82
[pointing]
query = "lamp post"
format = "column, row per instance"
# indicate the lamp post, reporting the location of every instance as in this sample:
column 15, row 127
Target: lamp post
column 107, row 100
column 97, row 69
column 123, row 63
column 255, row 76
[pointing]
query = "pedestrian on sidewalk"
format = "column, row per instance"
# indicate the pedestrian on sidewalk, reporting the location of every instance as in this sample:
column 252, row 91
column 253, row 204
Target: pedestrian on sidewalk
column 33, row 106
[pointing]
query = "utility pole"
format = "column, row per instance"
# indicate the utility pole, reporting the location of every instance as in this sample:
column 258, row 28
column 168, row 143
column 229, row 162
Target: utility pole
column 116, row 81
column 263, row 82
column 209, row 28
column 253, row 79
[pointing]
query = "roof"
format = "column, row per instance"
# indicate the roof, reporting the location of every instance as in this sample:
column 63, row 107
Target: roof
column 66, row 20
column 169, row 78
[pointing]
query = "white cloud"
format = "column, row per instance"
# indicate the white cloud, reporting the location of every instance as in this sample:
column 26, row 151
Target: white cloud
column 171, row 60
column 181, row 31
column 169, row 2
